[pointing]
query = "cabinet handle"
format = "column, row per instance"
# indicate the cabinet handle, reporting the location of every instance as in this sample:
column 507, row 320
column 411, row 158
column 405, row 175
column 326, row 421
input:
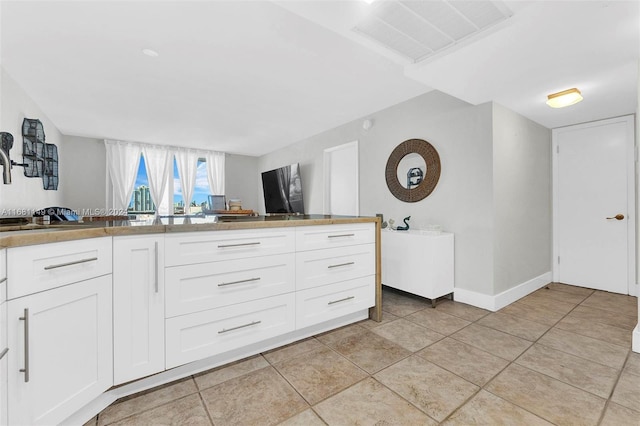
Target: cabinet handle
column 25, row 370
column 75, row 262
column 225, row 330
column 239, row 245
column 4, row 352
column 3, row 280
column 239, row 282
column 341, row 300
column 341, row 235
column 341, row 264
column 156, row 267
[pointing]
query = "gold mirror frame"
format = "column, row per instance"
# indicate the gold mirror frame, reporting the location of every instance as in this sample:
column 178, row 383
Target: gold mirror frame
column 431, row 177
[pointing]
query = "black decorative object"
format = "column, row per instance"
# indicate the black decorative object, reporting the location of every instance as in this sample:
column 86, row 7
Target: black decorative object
column 50, row 176
column 40, row 159
column 406, row 223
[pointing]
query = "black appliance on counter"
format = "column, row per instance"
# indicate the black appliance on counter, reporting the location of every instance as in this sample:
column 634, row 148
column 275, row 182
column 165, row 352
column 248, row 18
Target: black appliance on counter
column 57, row 214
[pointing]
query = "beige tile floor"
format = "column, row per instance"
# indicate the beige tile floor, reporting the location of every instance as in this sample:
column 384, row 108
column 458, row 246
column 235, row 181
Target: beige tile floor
column 558, row 356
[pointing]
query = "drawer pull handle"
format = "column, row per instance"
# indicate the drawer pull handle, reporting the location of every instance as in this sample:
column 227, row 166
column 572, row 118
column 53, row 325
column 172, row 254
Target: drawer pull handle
column 226, row 330
column 25, row 370
column 75, row 262
column 341, row 300
column 239, row 282
column 239, row 245
column 3, row 280
column 341, row 264
column 4, row 352
column 156, row 263
column 341, row 236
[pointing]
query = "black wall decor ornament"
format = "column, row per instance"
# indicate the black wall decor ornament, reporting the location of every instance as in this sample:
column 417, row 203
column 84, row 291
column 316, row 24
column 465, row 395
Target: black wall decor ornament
column 40, row 159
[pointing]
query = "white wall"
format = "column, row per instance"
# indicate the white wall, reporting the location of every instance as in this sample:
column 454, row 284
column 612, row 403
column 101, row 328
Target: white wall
column 461, row 202
column 522, row 212
column 84, row 176
column 26, row 193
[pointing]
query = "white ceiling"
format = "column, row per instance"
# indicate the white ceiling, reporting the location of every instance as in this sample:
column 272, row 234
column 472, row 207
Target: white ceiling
column 251, row 77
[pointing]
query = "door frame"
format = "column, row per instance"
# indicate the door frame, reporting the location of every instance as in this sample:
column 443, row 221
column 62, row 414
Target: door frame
column 628, row 120
column 326, row 205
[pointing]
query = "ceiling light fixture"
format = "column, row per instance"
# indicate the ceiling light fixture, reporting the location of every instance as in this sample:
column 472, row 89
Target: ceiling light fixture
column 564, row 98
column 150, row 52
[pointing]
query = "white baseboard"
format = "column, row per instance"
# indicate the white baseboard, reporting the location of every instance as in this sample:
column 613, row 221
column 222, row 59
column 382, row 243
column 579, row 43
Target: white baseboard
column 635, row 346
column 521, row 290
column 499, row 301
column 473, row 298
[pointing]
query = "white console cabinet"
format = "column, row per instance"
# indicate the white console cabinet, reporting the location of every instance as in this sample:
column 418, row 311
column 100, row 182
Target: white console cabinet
column 418, row 262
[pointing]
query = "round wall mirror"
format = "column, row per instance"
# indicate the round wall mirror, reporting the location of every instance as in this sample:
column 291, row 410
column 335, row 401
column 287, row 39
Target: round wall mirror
column 413, row 170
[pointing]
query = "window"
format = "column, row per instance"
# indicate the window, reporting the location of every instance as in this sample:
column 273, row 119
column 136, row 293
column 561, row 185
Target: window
column 141, row 202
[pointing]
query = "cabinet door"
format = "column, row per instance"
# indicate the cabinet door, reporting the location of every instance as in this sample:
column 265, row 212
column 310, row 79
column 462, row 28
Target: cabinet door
column 138, row 306
column 61, row 351
column 4, row 358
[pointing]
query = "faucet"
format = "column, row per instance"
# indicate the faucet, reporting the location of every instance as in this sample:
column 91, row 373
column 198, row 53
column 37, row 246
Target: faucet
column 6, row 164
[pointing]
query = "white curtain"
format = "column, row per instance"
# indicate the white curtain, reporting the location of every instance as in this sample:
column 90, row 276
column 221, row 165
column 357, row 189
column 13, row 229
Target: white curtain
column 123, row 159
column 215, row 172
column 157, row 161
column 187, row 161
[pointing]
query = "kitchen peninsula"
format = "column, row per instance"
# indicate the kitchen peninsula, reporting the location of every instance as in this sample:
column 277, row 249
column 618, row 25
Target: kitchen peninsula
column 101, row 310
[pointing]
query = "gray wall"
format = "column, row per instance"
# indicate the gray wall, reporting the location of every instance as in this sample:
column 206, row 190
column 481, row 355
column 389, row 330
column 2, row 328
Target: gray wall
column 462, row 201
column 242, row 180
column 521, row 199
column 84, row 177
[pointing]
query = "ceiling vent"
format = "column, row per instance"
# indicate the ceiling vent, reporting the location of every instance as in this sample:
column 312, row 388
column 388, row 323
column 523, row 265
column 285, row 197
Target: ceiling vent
column 418, row 29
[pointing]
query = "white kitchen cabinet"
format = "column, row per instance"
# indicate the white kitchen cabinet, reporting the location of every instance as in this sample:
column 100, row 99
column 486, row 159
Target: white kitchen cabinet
column 4, row 344
column 321, row 267
column 193, row 288
column 335, row 271
column 418, row 262
column 138, row 306
column 192, row 248
column 331, row 236
column 214, row 331
column 45, row 266
column 331, row 301
column 61, row 351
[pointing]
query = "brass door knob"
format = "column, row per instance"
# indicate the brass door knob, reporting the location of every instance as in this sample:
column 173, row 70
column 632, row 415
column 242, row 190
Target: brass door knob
column 617, row 217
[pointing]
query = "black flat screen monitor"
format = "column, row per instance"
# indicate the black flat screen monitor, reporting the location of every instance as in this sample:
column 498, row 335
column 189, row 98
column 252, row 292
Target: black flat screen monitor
column 282, row 189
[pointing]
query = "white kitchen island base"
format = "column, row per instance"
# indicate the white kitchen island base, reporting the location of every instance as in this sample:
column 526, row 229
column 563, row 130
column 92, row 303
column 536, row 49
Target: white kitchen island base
column 168, row 376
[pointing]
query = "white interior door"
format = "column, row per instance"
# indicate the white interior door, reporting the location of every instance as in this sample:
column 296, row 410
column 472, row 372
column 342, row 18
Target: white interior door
column 341, row 195
column 594, row 226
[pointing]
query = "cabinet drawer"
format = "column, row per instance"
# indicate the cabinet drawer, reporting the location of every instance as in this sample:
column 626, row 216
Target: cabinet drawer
column 203, row 334
column 320, row 267
column 327, row 236
column 46, row 266
column 222, row 245
column 193, row 288
column 320, row 304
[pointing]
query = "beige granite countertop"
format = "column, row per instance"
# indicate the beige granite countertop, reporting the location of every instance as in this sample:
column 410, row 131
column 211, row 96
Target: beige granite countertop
column 31, row 234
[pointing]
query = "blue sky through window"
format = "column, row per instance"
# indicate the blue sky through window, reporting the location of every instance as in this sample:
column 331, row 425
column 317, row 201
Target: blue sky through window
column 200, row 193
